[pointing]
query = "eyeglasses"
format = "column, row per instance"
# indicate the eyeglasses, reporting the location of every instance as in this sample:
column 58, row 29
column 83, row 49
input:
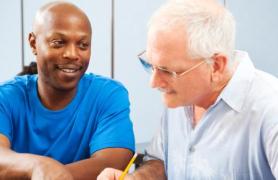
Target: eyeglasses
column 150, row 68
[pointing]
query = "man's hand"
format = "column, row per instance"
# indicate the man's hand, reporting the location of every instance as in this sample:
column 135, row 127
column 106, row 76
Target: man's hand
column 48, row 169
column 113, row 174
column 151, row 170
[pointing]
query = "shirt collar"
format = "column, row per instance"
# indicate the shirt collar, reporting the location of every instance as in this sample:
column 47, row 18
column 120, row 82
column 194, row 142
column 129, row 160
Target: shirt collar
column 237, row 88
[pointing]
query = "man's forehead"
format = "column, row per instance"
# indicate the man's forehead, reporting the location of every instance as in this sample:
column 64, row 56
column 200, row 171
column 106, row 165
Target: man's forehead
column 171, row 40
column 59, row 6
column 57, row 13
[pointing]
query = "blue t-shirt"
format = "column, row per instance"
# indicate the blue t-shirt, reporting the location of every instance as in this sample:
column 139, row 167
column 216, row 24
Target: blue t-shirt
column 96, row 118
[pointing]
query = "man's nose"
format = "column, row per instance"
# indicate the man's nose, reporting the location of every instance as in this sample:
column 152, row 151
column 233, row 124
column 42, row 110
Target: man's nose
column 156, row 81
column 71, row 52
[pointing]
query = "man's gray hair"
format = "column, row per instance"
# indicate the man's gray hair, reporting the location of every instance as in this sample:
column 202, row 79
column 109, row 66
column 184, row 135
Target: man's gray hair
column 210, row 28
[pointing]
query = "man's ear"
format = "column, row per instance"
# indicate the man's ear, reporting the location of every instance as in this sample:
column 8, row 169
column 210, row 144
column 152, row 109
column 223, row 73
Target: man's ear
column 219, row 66
column 32, row 42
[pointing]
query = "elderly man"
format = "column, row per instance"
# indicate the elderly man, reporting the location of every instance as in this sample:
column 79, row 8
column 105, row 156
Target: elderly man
column 63, row 124
column 222, row 115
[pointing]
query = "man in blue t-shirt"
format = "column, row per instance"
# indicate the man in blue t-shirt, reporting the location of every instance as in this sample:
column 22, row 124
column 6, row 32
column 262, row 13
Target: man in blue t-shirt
column 62, row 124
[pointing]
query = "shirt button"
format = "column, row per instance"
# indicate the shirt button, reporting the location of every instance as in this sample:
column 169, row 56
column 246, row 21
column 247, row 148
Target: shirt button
column 192, row 149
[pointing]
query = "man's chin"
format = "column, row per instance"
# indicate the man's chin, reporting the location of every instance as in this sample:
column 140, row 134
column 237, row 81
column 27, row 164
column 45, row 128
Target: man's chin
column 170, row 102
column 67, row 86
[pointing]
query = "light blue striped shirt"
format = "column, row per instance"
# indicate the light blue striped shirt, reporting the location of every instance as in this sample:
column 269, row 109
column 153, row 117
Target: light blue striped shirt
column 236, row 139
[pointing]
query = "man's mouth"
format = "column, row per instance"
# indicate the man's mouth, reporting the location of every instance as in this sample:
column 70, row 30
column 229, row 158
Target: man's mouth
column 69, row 68
column 166, row 91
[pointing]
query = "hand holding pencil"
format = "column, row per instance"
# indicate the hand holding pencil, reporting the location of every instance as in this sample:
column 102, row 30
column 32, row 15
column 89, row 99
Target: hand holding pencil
column 115, row 174
column 128, row 167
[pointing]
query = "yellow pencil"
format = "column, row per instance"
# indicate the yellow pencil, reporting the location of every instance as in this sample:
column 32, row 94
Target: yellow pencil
column 128, row 166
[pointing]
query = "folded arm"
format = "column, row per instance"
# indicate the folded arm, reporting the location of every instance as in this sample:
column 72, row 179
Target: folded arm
column 90, row 168
column 151, row 170
column 28, row 166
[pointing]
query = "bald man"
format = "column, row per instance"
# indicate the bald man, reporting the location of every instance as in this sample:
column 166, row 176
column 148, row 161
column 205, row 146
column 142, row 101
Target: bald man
column 63, row 124
column 221, row 120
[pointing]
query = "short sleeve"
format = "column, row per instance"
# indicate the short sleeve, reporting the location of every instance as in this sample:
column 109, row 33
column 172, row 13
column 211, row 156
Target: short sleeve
column 114, row 127
column 270, row 138
column 5, row 116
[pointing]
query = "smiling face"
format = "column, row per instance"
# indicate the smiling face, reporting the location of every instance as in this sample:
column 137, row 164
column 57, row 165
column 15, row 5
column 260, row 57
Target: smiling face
column 168, row 49
column 61, row 41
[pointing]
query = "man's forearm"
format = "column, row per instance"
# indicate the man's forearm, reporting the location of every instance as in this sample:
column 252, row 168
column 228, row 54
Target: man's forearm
column 85, row 169
column 14, row 165
column 90, row 168
column 151, row 170
column 29, row 166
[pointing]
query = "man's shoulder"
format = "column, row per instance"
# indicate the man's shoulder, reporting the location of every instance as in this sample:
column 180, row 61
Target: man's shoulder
column 18, row 83
column 15, row 91
column 265, row 87
column 101, row 82
column 267, row 80
column 262, row 97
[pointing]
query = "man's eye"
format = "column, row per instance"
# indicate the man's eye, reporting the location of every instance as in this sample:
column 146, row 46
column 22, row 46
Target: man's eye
column 165, row 71
column 57, row 43
column 84, row 46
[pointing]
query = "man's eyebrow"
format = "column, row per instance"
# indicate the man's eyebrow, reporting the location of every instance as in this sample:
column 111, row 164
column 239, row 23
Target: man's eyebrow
column 61, row 34
column 163, row 67
column 84, row 37
column 56, row 34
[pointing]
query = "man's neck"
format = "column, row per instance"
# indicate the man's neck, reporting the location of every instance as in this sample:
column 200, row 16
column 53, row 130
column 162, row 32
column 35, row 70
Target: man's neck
column 54, row 99
column 198, row 113
column 201, row 108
